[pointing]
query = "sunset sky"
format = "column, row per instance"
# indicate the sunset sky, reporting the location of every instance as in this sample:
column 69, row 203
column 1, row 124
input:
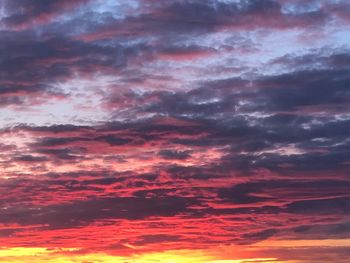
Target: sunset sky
column 174, row 131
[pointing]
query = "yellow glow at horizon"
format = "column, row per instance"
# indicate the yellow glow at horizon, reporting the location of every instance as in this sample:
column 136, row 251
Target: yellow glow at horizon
column 37, row 255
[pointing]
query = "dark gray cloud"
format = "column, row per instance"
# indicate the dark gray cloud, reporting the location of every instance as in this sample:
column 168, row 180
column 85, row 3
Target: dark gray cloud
column 174, row 155
column 259, row 236
column 85, row 212
column 28, row 12
column 31, row 65
column 339, row 205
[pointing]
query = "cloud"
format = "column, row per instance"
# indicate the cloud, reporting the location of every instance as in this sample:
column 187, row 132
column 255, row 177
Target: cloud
column 27, row 13
column 84, row 212
column 337, row 205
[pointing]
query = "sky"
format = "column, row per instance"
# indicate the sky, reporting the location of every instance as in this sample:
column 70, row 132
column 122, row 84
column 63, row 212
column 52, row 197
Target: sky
column 173, row 131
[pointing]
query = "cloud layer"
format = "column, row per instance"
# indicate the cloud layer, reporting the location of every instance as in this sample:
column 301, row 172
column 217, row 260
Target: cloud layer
column 147, row 126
